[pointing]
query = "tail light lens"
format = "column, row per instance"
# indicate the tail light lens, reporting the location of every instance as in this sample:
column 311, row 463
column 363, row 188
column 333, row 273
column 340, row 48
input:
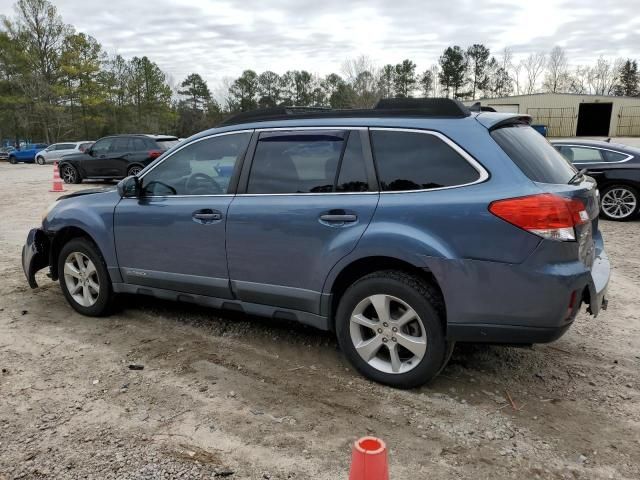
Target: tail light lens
column 549, row 216
column 154, row 153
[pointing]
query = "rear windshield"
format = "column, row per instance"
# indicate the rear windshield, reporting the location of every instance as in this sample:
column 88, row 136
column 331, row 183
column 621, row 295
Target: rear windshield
column 167, row 144
column 535, row 156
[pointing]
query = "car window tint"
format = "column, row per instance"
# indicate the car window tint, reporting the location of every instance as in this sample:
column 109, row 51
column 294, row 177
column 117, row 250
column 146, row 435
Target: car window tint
column 101, row 147
column 610, row 156
column 353, row 173
column 417, row 161
column 533, row 154
column 83, row 146
column 121, row 144
column 296, row 162
column 581, row 155
column 139, row 145
column 66, row 146
column 201, row 168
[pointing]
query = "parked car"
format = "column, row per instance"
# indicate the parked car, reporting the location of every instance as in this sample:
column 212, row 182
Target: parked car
column 615, row 167
column 403, row 229
column 27, row 153
column 5, row 151
column 55, row 152
column 114, row 157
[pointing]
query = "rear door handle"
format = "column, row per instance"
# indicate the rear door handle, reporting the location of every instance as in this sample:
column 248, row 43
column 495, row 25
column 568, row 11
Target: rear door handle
column 206, row 215
column 341, row 218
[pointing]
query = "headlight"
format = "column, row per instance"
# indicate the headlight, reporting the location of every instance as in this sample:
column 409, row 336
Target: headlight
column 48, row 210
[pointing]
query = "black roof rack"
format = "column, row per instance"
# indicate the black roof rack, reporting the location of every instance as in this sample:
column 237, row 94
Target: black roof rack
column 387, row 107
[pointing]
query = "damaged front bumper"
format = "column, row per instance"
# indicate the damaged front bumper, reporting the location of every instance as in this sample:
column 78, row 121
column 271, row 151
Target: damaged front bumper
column 35, row 254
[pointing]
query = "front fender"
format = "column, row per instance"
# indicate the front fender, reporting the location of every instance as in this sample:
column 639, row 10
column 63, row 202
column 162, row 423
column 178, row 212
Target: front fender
column 93, row 214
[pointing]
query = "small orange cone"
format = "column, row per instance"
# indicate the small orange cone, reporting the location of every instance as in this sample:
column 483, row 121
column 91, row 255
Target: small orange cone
column 57, row 181
column 369, row 460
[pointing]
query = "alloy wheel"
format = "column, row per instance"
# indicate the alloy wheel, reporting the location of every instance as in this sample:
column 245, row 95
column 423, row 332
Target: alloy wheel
column 619, row 202
column 69, row 175
column 81, row 279
column 134, row 170
column 388, row 334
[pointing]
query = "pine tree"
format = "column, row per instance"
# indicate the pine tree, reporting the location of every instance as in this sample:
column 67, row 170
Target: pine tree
column 628, row 80
column 453, row 70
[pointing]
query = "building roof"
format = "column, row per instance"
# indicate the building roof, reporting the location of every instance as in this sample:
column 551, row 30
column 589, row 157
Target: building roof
column 553, row 94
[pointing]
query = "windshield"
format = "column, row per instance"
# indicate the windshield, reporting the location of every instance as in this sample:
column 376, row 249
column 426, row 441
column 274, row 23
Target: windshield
column 535, row 156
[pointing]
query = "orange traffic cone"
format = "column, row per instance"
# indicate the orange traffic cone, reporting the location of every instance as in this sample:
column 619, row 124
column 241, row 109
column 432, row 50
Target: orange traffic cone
column 369, row 460
column 57, row 182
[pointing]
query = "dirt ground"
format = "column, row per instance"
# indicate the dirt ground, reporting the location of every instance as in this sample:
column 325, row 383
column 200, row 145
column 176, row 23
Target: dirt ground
column 225, row 395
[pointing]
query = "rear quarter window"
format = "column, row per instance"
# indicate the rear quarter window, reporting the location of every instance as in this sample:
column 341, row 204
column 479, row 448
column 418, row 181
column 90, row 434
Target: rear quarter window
column 533, row 154
column 418, row 161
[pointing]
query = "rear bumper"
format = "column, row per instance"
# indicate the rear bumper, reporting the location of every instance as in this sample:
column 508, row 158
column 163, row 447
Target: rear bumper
column 527, row 303
column 35, row 254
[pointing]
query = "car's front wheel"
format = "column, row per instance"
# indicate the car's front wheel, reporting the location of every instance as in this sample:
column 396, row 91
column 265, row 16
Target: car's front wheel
column 84, row 278
column 619, row 202
column 69, row 174
column 12, row 160
column 390, row 326
column 40, row 160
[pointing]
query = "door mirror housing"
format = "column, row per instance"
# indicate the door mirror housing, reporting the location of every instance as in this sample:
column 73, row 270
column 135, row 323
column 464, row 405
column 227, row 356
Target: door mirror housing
column 129, row 187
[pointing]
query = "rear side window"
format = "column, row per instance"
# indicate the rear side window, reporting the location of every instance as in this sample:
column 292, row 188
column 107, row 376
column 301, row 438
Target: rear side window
column 290, row 162
column 353, row 172
column 139, row 144
column 418, row 161
column 610, row 156
column 533, row 154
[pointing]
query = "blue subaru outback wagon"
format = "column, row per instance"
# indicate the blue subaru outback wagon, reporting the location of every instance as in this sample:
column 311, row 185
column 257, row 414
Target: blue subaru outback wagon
column 404, row 229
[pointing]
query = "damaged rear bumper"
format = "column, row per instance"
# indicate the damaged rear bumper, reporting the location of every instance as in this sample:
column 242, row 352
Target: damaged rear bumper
column 35, row 254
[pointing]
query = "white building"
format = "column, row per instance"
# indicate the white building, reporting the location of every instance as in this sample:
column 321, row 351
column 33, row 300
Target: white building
column 568, row 115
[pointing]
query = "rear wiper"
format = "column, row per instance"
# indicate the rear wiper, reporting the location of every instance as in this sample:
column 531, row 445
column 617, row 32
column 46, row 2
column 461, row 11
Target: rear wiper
column 579, row 174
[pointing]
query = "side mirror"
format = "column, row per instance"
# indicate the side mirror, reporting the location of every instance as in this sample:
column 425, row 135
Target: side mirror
column 129, row 187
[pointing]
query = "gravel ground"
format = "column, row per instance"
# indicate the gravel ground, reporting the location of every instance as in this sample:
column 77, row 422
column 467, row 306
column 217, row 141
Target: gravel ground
column 227, row 396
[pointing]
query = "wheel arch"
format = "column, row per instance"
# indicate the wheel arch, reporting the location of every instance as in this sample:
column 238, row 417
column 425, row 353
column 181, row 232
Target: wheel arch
column 366, row 265
column 134, row 164
column 62, row 237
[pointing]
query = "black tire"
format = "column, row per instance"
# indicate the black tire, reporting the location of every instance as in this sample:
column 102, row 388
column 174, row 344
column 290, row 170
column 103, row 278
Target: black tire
column 105, row 297
column 70, row 174
column 608, row 211
column 40, row 160
column 12, row 160
column 421, row 297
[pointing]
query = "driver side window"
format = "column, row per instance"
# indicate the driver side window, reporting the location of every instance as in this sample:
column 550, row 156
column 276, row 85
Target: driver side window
column 201, row 168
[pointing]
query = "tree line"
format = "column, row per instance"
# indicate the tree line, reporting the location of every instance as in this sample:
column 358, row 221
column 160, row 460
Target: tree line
column 59, row 84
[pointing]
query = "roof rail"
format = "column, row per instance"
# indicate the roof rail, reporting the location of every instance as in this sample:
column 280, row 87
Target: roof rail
column 387, row 107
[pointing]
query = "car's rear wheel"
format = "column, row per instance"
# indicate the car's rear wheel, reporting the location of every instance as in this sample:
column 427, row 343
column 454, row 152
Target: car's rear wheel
column 390, row 326
column 40, row 160
column 84, row 278
column 69, row 174
column 619, row 203
column 135, row 170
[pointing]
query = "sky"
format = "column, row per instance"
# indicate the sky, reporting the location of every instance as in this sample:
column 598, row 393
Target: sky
column 220, row 39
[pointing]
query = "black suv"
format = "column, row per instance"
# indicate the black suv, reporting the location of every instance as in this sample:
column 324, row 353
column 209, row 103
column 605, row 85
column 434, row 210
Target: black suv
column 115, row 157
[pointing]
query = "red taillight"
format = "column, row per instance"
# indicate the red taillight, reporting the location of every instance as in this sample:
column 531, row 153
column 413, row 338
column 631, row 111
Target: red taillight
column 546, row 215
column 155, row 153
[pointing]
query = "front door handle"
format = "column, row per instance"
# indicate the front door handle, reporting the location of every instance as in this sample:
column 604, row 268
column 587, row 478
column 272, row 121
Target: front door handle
column 206, row 216
column 342, row 218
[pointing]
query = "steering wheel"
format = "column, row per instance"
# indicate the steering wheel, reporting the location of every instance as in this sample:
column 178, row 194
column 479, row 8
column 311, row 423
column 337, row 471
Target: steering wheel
column 202, row 184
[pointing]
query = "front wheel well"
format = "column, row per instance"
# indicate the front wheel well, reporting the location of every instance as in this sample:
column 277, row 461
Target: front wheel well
column 365, row 266
column 60, row 238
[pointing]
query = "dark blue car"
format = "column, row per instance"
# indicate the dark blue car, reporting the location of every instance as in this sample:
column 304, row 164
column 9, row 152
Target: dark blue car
column 404, row 229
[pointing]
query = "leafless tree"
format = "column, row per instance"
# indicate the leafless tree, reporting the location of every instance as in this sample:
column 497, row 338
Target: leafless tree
column 578, row 80
column 533, row 67
column 557, row 76
column 602, row 77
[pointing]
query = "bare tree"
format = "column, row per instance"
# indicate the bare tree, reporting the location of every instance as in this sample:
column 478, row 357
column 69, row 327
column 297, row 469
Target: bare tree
column 516, row 75
column 557, row 77
column 578, row 80
column 602, row 77
column 533, row 67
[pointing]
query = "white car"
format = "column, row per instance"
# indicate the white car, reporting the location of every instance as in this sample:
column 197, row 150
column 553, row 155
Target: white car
column 55, row 152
